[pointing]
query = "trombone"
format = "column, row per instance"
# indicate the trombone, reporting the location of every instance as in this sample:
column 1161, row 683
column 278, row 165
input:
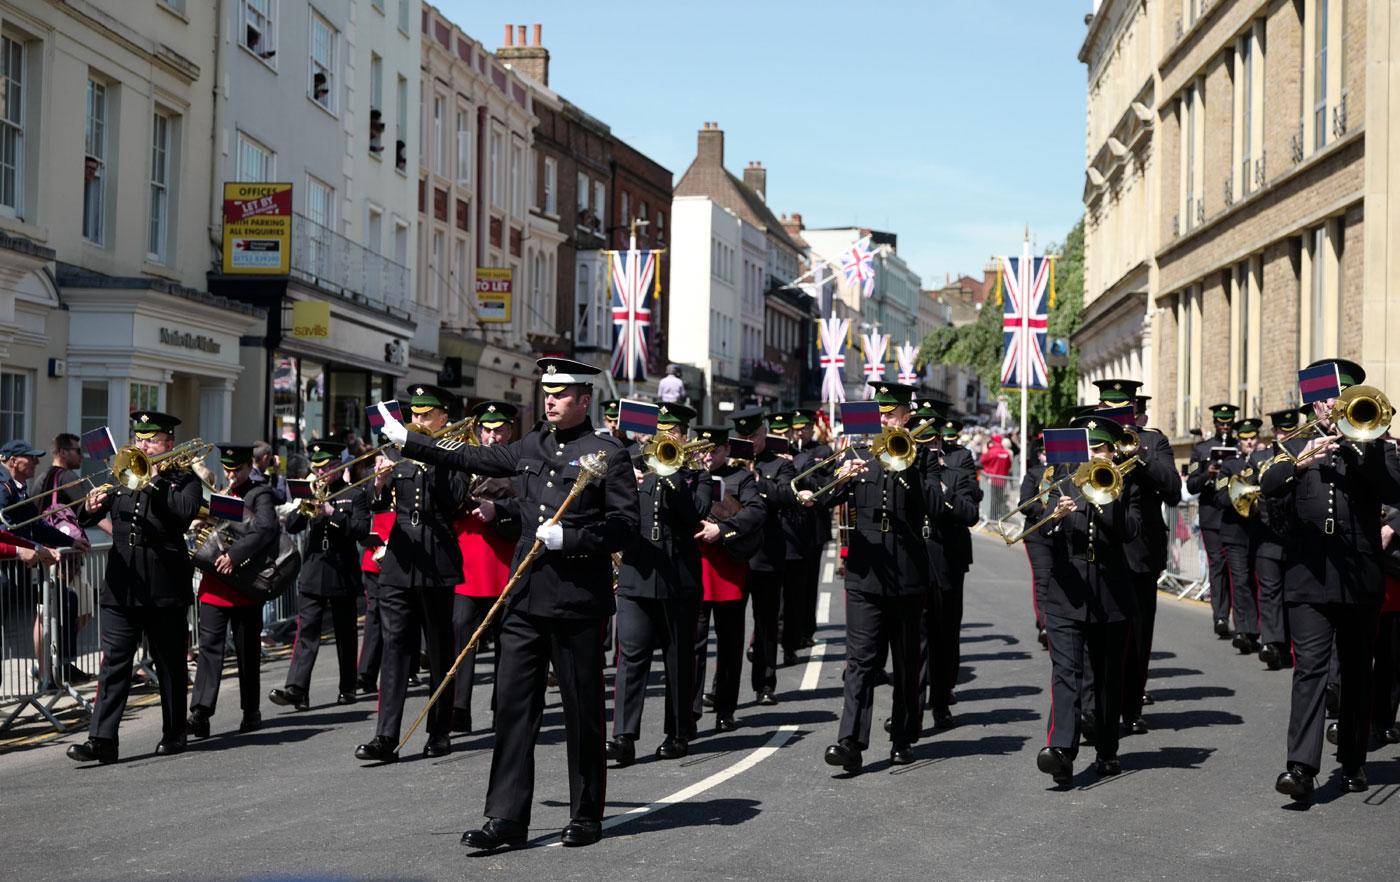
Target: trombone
column 1361, row 413
column 894, row 449
column 1100, row 481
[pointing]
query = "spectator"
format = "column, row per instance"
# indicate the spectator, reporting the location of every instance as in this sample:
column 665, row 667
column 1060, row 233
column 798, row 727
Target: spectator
column 672, row 388
column 265, row 469
column 62, row 515
column 996, row 463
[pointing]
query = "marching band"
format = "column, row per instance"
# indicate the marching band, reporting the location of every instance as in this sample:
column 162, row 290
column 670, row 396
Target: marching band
column 455, row 531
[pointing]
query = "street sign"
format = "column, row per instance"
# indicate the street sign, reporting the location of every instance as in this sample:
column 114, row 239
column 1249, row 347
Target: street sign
column 257, row 228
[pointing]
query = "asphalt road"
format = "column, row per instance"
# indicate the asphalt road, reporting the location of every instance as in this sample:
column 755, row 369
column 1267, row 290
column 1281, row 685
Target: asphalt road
column 1196, row 799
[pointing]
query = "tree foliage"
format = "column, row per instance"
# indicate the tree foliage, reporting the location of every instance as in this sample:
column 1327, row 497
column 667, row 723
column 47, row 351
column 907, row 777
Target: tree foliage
column 978, row 345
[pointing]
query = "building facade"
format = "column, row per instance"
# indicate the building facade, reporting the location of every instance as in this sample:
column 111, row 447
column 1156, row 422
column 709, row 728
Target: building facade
column 704, row 328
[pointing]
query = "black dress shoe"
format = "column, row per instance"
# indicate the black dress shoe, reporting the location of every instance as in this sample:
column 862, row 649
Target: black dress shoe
column 1332, row 700
column 1247, row 644
column 496, row 833
column 725, row 724
column 1043, row 638
column 251, row 722
column 345, row 698
column 1332, row 732
column 1269, row 654
column 889, row 725
column 844, row 753
column 438, row 745
column 197, row 726
column 1057, row 763
column 365, row 684
column 581, row 832
column 1354, row 780
column 672, row 748
column 1297, row 783
column 621, row 751
column 461, row 720
column 414, row 682
column 93, row 750
column 901, row 755
column 290, row 697
column 171, row 746
column 942, row 719
column 1391, row 735
column 767, row 698
column 1108, row 767
column 1087, row 732
column 950, row 699
column 1222, row 629
column 748, row 653
column 378, row 749
column 75, row 675
column 789, row 659
column 809, row 643
column 1134, row 727
column 707, row 699
column 1148, row 699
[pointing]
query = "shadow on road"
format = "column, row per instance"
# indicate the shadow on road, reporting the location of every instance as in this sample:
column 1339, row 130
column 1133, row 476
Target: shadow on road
column 1005, row 655
column 1168, row 758
column 991, row 693
column 980, row 638
column 1192, row 693
column 996, row 717
column 1163, row 673
column 1193, row 719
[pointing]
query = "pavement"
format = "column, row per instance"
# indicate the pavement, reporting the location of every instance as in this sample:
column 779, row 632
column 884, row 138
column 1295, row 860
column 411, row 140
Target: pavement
column 1195, row 801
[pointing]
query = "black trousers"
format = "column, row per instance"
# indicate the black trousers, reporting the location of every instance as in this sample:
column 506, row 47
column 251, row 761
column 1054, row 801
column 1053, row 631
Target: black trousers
column 1218, row 573
column 1240, row 559
column 122, row 628
column 214, row 624
column 1042, row 557
column 1138, row 653
column 944, row 629
column 467, row 615
column 644, row 625
column 1071, row 641
column 796, row 610
column 765, row 592
column 372, row 649
column 1385, row 672
column 729, row 656
column 405, row 613
column 1273, row 623
column 310, row 615
column 876, row 624
column 812, row 571
column 529, row 645
column 1314, row 628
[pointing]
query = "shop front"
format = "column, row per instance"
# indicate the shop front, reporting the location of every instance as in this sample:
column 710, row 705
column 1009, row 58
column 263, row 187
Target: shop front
column 479, row 371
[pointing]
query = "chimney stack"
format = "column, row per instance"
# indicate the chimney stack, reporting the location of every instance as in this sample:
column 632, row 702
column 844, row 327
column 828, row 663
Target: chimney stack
column 532, row 59
column 709, row 148
column 756, row 179
column 793, row 224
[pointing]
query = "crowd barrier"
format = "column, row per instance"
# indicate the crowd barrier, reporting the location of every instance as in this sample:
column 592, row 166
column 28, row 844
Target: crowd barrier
column 1186, row 573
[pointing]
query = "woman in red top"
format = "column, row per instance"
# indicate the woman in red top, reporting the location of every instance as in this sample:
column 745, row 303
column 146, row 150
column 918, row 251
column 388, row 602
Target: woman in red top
column 487, row 536
column 222, row 606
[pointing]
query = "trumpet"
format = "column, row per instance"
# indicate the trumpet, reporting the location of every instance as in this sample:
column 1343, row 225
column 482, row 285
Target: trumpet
column 1130, row 445
column 664, row 454
column 894, row 449
column 1100, row 481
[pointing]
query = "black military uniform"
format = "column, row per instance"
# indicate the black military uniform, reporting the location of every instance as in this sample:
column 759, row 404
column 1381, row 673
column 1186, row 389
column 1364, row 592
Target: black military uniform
column 773, row 475
column 1039, row 547
column 944, row 626
column 559, row 610
column 798, row 533
column 816, row 526
column 329, row 579
column 740, row 513
column 1268, row 552
column 658, row 598
column 145, row 592
column 1240, row 534
column 1333, row 586
column 417, row 574
column 223, row 608
column 372, row 643
column 1198, row 480
column 1158, row 483
column 1088, row 604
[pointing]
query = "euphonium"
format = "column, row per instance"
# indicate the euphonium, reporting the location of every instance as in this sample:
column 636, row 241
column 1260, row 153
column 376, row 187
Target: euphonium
column 1244, row 494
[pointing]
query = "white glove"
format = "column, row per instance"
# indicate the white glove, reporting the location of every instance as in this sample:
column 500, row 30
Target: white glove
column 552, row 535
column 392, row 429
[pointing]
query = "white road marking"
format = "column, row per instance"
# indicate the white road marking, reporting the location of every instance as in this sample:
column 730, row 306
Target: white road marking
column 780, row 737
column 829, row 572
column 813, row 673
column 824, row 608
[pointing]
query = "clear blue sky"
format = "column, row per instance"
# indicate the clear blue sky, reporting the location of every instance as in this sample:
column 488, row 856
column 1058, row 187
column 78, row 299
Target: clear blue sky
column 952, row 124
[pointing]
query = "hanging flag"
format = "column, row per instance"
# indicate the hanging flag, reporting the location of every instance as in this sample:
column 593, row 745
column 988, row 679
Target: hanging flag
column 1318, row 383
column 98, row 444
column 858, row 263
column 1066, row 446
column 906, row 355
column 637, row 416
column 860, row 417
column 1028, row 295
column 633, row 277
column 874, row 346
column 831, row 333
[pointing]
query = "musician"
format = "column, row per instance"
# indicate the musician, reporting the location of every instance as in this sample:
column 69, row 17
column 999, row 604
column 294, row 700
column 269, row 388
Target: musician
column 798, row 533
column 955, row 538
column 1333, row 585
column 1203, row 470
column 145, row 591
column 1088, row 603
column 806, row 451
column 1269, row 550
column 658, row 599
column 329, row 577
column 222, row 606
column 1033, row 503
column 730, row 536
column 887, row 586
column 562, row 602
column 381, row 524
column 1239, row 535
column 487, row 534
column 1157, row 483
column 421, row 564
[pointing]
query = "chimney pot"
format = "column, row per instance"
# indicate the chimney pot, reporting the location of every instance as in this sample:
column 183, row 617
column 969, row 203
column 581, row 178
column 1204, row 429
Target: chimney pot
column 510, row 35
column 521, row 34
column 539, row 30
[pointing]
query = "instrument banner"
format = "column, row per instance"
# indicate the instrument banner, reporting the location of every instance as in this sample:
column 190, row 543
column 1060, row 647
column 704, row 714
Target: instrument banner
column 860, row 417
column 637, row 416
column 1320, row 383
column 98, row 444
column 1123, row 416
column 228, row 508
column 376, row 421
column 1066, row 446
column 300, row 489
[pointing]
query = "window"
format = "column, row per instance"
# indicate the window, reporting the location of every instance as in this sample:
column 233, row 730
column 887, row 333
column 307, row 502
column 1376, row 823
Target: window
column 256, row 163
column 1319, row 78
column 401, row 243
column 401, row 131
column 1248, row 111
column 378, row 6
column 599, row 212
column 322, row 62
column 14, row 405
column 12, row 59
column 439, row 242
column 145, row 396
column 176, row 5
column 320, row 210
column 536, row 319
column 1191, row 113
column 403, row 15
column 440, row 135
column 374, row 230
column 159, row 232
column 517, row 179
column 551, row 186
column 626, row 207
column 498, row 170
column 661, row 227
column 1317, row 289
column 376, row 104
column 95, row 164
column 259, row 34
column 461, row 279
column 464, row 147
column 93, row 415
column 582, row 191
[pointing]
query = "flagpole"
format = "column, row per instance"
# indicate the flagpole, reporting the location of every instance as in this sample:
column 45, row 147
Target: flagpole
column 631, row 310
column 1025, row 342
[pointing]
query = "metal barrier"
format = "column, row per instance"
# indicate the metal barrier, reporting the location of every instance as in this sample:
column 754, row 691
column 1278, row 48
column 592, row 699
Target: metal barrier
column 1186, row 574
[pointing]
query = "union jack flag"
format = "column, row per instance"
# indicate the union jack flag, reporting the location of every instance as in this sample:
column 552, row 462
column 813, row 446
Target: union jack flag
column 874, row 346
column 832, row 334
column 858, row 263
column 632, row 276
column 1029, row 289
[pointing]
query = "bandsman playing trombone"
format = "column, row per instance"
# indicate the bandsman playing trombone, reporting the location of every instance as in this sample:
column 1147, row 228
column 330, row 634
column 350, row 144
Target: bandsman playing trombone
column 1333, row 583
